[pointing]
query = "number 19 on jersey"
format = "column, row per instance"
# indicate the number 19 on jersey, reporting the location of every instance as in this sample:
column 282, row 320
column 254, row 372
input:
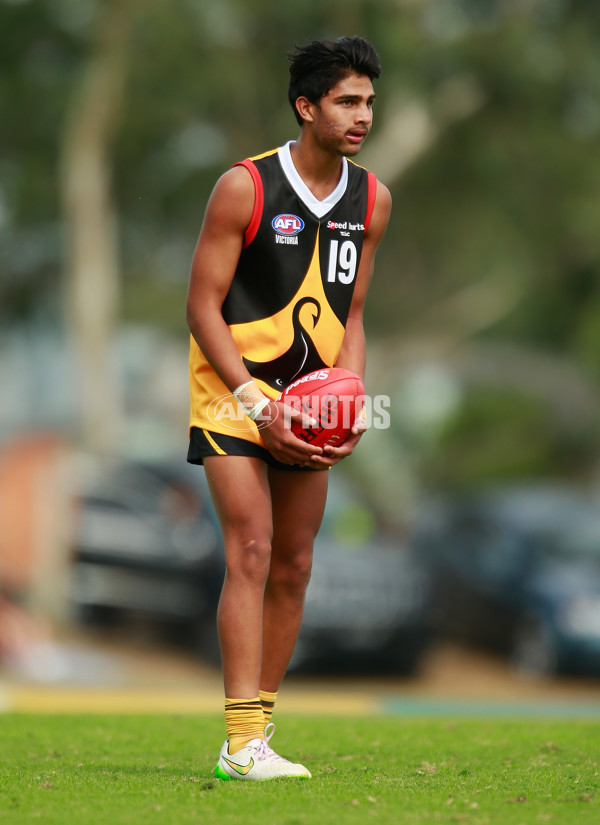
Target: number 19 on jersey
column 342, row 262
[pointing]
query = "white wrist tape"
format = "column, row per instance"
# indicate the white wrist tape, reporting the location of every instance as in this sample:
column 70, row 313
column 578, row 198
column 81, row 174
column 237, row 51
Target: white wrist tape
column 251, row 398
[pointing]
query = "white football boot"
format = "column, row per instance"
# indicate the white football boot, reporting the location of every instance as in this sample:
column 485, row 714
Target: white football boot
column 257, row 761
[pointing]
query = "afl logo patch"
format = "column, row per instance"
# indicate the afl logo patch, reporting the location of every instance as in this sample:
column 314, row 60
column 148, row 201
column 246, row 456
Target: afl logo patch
column 287, row 224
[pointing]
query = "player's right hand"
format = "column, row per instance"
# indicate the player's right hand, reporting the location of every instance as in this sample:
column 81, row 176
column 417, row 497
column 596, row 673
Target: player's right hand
column 278, row 437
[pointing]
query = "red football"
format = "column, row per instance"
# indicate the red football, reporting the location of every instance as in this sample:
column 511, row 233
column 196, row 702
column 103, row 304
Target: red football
column 334, row 397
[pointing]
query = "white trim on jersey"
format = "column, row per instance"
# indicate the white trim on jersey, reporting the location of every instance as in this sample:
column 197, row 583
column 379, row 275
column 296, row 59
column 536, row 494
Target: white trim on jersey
column 318, row 208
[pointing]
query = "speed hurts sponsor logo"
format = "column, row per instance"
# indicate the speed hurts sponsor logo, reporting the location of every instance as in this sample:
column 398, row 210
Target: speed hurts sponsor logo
column 353, row 227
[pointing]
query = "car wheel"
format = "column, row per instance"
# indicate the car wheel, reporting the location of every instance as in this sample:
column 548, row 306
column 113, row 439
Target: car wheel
column 534, row 649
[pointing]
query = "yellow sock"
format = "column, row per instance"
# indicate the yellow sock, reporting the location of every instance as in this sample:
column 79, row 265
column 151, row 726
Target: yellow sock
column 267, row 701
column 244, row 720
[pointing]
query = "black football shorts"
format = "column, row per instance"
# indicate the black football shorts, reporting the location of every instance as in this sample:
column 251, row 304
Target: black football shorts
column 204, row 443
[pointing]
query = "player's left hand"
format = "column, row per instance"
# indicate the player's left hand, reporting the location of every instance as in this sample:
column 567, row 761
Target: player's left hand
column 333, row 455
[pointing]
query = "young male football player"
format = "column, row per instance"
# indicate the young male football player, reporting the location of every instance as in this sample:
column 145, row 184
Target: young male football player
column 277, row 288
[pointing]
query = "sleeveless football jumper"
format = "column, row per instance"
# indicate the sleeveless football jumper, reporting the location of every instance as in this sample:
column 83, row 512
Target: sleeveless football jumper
column 288, row 303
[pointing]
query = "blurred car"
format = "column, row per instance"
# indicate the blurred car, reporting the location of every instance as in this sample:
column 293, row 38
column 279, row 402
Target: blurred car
column 149, row 543
column 518, row 571
column 367, row 602
column 146, row 542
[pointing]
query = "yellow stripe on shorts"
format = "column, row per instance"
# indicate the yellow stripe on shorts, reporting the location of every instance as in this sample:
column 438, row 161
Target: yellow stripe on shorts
column 214, row 444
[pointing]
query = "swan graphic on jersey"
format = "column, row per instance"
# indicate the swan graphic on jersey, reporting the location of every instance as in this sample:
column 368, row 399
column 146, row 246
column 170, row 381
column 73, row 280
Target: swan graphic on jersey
column 301, row 357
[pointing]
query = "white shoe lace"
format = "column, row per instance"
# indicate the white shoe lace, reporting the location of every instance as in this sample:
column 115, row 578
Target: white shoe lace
column 265, row 751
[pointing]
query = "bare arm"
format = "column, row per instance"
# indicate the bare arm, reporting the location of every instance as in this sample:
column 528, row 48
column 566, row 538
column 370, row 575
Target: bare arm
column 215, row 260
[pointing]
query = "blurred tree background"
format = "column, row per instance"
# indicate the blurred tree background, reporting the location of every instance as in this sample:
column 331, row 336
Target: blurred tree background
column 484, row 317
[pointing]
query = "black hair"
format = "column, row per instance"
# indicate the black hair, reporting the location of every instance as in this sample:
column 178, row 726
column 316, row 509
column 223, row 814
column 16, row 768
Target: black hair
column 316, row 68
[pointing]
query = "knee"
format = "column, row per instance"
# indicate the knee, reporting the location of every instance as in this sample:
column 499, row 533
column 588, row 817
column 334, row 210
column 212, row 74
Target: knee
column 251, row 560
column 293, row 573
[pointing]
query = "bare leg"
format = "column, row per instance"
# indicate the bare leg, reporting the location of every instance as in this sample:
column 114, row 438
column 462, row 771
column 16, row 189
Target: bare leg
column 298, row 501
column 242, row 498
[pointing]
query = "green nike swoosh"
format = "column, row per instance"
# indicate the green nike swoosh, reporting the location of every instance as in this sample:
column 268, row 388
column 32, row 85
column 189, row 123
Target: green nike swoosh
column 241, row 769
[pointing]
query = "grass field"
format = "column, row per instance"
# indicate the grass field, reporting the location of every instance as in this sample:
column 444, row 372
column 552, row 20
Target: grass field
column 108, row 770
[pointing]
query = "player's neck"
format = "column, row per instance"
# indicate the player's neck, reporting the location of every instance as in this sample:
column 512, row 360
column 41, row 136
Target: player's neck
column 320, row 170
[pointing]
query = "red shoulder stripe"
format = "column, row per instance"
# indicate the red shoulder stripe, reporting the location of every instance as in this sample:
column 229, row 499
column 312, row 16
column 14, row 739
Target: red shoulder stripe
column 259, row 202
column 371, row 195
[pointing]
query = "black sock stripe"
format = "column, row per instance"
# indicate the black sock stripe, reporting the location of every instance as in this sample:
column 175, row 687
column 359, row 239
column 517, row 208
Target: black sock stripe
column 243, row 706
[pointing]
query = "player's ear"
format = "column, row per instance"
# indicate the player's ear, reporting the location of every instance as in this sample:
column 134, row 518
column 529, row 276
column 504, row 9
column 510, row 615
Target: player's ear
column 305, row 109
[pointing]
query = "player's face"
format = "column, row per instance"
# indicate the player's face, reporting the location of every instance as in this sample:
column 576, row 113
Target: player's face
column 343, row 117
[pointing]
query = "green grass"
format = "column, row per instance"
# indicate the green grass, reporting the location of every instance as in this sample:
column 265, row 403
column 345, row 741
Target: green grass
column 109, row 770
